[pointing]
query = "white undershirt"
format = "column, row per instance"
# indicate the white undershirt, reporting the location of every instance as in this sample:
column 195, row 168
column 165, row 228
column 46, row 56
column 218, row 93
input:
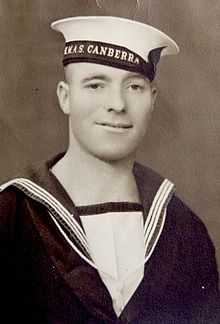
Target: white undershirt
column 116, row 242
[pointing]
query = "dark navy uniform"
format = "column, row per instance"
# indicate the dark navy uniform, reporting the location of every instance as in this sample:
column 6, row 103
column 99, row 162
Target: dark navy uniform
column 44, row 280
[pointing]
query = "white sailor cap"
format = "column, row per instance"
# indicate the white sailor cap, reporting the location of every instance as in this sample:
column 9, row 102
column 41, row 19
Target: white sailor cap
column 114, row 41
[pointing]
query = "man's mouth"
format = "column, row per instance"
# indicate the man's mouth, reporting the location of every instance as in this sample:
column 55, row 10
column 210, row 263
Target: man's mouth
column 115, row 125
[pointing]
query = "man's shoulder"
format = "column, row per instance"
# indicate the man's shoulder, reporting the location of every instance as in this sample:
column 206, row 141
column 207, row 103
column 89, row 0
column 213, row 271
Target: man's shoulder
column 178, row 211
column 8, row 205
column 8, row 197
column 187, row 225
column 182, row 212
column 10, row 192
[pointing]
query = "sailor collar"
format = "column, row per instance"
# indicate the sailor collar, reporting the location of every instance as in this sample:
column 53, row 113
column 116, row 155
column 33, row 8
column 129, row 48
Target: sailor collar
column 39, row 184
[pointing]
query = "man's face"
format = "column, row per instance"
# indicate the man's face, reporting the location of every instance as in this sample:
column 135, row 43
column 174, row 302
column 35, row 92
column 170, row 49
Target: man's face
column 109, row 109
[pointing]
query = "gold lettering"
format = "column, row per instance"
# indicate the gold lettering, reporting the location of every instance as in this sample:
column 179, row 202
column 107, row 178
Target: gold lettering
column 65, row 50
column 117, row 54
column 110, row 52
column 124, row 56
column 69, row 49
column 96, row 50
column 103, row 50
column 89, row 49
column 81, row 48
column 75, row 49
column 130, row 57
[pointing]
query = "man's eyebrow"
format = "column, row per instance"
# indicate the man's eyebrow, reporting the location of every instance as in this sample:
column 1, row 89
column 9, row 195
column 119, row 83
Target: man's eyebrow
column 101, row 77
column 135, row 76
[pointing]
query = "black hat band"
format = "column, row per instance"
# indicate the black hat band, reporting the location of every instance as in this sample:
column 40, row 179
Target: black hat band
column 110, row 55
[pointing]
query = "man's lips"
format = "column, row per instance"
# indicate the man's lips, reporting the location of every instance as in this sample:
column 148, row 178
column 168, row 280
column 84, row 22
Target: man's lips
column 114, row 124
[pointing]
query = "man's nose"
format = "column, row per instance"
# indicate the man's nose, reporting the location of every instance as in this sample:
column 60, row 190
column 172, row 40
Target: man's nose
column 116, row 101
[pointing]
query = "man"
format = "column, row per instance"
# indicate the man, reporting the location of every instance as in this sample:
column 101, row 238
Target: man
column 92, row 236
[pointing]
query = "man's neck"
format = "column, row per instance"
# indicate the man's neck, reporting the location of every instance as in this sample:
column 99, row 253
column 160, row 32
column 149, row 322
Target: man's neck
column 89, row 180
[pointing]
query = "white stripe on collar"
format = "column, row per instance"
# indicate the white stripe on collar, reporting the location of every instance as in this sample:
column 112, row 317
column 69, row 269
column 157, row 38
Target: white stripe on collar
column 59, row 212
column 72, row 231
column 156, row 217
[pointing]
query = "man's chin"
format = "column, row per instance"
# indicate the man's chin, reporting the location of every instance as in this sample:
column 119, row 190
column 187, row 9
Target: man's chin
column 114, row 157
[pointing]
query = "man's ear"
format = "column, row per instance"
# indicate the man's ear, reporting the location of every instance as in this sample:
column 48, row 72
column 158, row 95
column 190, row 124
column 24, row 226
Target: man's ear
column 154, row 95
column 63, row 96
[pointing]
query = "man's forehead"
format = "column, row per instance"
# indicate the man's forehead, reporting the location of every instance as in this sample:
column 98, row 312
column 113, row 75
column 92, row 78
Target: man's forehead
column 86, row 71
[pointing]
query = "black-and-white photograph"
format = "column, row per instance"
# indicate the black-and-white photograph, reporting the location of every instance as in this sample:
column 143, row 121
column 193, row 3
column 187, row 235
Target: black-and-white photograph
column 110, row 162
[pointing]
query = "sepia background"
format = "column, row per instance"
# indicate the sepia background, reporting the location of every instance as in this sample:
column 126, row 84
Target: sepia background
column 182, row 142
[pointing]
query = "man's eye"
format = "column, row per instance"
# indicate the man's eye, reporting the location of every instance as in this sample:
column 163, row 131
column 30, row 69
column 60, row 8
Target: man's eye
column 136, row 87
column 95, row 86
